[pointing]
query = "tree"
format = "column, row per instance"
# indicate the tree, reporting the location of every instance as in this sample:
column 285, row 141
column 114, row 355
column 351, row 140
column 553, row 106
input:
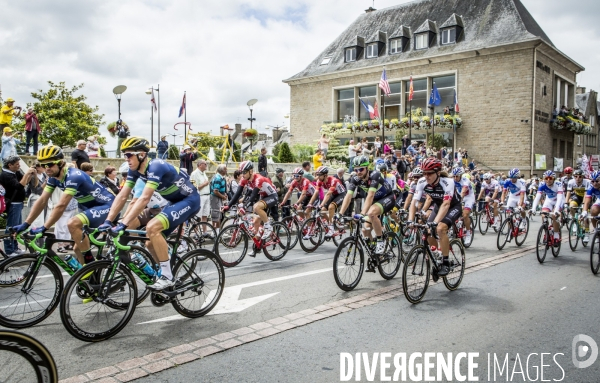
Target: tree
column 285, row 154
column 64, row 117
column 173, row 152
column 303, row 152
column 437, row 142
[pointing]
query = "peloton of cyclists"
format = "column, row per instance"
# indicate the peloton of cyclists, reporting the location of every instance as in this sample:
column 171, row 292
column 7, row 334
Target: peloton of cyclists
column 490, row 188
column 335, row 192
column 555, row 198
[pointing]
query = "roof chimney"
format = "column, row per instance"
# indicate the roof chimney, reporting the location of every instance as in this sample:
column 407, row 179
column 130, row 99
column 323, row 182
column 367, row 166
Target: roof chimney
column 371, row 9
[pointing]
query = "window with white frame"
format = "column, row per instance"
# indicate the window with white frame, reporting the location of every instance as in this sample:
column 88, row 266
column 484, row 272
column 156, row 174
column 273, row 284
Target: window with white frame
column 449, row 36
column 372, row 50
column 395, row 46
column 326, row 60
column 422, row 41
column 350, row 54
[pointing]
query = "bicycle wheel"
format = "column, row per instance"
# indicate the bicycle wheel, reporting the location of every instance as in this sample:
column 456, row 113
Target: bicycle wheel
column 500, row 218
column 343, row 230
column 484, row 223
column 26, row 300
column 595, row 254
column 311, row 235
column 203, row 235
column 522, row 233
column 201, row 291
column 504, row 234
column 457, row 265
column 556, row 249
column 581, row 234
column 142, row 290
column 410, row 239
column 415, row 275
column 542, row 244
column 474, row 218
column 276, row 246
column 232, row 245
column 389, row 266
column 25, row 359
column 293, row 228
column 111, row 307
column 348, row 264
column 573, row 235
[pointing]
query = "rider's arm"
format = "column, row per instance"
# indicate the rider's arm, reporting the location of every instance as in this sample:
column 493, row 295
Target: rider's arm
column 560, row 201
column 586, row 202
column 313, row 198
column 426, row 204
column 347, row 201
column 237, row 194
column 408, row 201
column 138, row 207
column 326, row 197
column 286, row 196
column 536, row 201
column 119, row 202
column 58, row 210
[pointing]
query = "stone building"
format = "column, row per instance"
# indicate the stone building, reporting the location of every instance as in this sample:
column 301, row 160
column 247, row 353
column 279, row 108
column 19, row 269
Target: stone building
column 507, row 74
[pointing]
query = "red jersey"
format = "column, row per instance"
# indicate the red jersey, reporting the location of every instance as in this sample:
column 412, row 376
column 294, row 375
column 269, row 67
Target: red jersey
column 334, row 185
column 305, row 185
column 264, row 185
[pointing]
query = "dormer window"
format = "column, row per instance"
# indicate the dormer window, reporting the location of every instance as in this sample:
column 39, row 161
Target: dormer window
column 449, row 36
column 395, row 46
column 326, row 60
column 350, row 54
column 422, row 41
column 372, row 50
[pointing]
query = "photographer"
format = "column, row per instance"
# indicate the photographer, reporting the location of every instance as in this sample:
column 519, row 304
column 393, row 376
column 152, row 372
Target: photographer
column 9, row 144
column 7, row 112
column 32, row 130
column 122, row 133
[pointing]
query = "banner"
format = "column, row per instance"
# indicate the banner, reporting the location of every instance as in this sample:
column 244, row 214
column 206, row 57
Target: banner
column 558, row 164
column 540, row 161
column 595, row 161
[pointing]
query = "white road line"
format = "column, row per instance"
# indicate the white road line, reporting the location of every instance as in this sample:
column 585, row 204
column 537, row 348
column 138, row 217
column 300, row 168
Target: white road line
column 563, row 288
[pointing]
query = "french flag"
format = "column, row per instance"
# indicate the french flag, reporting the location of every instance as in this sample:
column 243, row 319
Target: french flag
column 369, row 108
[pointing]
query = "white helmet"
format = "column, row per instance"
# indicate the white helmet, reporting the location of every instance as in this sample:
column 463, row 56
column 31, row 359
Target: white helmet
column 486, row 176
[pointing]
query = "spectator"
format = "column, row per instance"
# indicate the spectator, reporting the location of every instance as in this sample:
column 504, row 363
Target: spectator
column 122, row 133
column 377, row 146
column 218, row 195
column 234, row 184
column 340, row 175
column 411, row 150
column 79, row 155
column 162, row 148
column 93, row 147
column 14, row 183
column 262, row 162
column 200, row 179
column 317, row 159
column 9, row 144
column 405, row 144
column 187, row 158
column 365, row 150
column 351, row 153
column 7, row 112
column 110, row 180
column 61, row 228
column 36, row 186
column 32, row 130
column 386, row 148
column 324, row 145
column 88, row 169
column 279, row 183
column 401, row 167
column 307, row 174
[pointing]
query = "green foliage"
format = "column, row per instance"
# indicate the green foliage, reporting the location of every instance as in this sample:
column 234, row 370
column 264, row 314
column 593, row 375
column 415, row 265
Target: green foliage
column 437, row 142
column 3, row 221
column 303, row 152
column 274, row 158
column 276, row 149
column 398, row 137
column 64, row 117
column 285, row 154
column 173, row 152
column 103, row 152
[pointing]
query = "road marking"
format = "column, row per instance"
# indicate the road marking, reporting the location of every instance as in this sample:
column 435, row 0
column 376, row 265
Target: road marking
column 563, row 288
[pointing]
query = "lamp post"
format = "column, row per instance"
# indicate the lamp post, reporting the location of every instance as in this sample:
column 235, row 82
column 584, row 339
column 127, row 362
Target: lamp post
column 174, row 135
column 118, row 91
column 149, row 91
column 250, row 105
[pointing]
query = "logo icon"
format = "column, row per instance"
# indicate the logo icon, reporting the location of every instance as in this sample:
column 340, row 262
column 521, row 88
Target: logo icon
column 580, row 350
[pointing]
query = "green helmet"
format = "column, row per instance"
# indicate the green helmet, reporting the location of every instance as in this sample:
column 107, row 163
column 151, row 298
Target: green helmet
column 360, row 161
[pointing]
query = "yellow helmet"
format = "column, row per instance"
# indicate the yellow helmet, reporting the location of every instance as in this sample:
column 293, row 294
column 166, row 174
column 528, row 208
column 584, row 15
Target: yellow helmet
column 50, row 153
column 136, row 143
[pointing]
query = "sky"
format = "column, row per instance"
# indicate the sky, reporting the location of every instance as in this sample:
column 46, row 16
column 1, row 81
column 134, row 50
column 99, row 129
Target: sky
column 222, row 53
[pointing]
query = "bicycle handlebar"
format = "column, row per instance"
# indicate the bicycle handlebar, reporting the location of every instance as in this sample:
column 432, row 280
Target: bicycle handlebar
column 31, row 241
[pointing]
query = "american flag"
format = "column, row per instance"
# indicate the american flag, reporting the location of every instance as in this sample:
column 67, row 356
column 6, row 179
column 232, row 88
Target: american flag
column 411, row 91
column 152, row 100
column 384, row 84
column 182, row 108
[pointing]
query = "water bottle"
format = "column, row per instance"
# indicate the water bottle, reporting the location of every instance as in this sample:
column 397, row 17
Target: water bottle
column 141, row 264
column 437, row 254
column 459, row 224
column 72, row 262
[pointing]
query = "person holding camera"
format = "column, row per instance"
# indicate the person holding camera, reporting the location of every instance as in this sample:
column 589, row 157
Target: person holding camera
column 122, row 134
column 7, row 112
column 9, row 144
column 32, row 131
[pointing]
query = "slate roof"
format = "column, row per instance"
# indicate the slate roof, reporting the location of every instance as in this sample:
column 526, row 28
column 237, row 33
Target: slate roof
column 486, row 23
column 586, row 102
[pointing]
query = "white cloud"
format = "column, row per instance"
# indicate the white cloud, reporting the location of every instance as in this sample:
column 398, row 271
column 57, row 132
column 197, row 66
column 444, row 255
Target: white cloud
column 222, row 53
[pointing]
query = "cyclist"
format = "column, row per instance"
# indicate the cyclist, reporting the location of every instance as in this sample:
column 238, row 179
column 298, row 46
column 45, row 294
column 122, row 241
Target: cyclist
column 307, row 189
column 379, row 198
column 258, row 186
column 172, row 184
column 568, row 176
column 335, row 192
column 576, row 190
column 414, row 177
column 94, row 200
column 514, row 188
column 593, row 192
column 440, row 191
column 490, row 188
column 554, row 192
column 464, row 188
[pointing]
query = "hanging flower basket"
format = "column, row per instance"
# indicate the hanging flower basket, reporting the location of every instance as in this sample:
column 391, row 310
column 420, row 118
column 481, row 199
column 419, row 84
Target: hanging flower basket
column 112, row 128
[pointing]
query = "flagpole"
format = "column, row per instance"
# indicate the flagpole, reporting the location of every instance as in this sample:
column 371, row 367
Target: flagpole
column 158, row 90
column 151, row 125
column 383, row 118
column 410, row 122
column 185, row 119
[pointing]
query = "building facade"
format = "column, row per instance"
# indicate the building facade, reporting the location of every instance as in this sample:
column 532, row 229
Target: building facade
column 507, row 76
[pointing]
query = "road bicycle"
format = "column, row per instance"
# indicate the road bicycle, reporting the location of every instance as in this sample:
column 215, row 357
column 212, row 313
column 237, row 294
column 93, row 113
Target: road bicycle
column 349, row 259
column 487, row 219
column 293, row 223
column 511, row 228
column 202, row 235
column 546, row 240
column 595, row 249
column 421, row 262
column 458, row 231
column 232, row 241
column 313, row 231
column 25, row 359
column 3, row 236
column 577, row 231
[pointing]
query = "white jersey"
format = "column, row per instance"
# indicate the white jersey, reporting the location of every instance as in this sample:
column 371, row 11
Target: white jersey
column 515, row 188
column 490, row 187
column 465, row 183
column 579, row 189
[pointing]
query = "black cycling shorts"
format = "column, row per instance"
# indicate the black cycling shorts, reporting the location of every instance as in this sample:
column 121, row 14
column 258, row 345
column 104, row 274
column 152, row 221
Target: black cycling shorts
column 336, row 200
column 577, row 199
column 270, row 200
column 453, row 214
column 386, row 203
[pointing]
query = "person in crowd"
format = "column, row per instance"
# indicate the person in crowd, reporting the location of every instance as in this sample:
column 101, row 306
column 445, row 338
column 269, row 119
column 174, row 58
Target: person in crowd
column 218, row 195
column 9, row 144
column 307, row 174
column 162, row 148
column 79, row 155
column 61, row 227
column 410, row 149
column 14, row 181
column 405, row 144
column 234, row 184
column 36, row 186
column 401, row 167
column 386, row 148
column 7, row 112
column 122, row 134
column 472, row 165
column 340, row 175
column 187, row 158
column 88, row 169
column 279, row 183
column 110, row 180
column 262, row 162
column 201, row 181
column 318, row 159
column 377, row 145
column 93, row 147
column 365, row 149
column 32, row 130
column 351, row 153
column 324, row 144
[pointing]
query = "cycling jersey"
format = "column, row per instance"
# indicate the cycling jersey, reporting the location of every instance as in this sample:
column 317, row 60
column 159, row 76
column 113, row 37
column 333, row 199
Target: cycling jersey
column 554, row 196
column 515, row 188
column 334, row 185
column 592, row 192
column 579, row 190
column 565, row 181
column 491, row 187
column 156, row 201
column 391, row 180
column 304, row 185
column 375, row 182
column 443, row 191
column 263, row 184
column 464, row 183
column 169, row 181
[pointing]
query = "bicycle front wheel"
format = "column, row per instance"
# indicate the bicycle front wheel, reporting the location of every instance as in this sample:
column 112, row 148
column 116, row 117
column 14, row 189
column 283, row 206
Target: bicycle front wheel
column 457, row 265
column 348, row 264
column 504, row 234
column 201, row 278
column 573, row 235
column 542, row 244
column 25, row 359
column 392, row 258
column 277, row 245
column 522, row 233
column 311, row 235
column 595, row 254
column 415, row 275
column 113, row 301
column 293, row 228
column 232, row 245
column 484, row 222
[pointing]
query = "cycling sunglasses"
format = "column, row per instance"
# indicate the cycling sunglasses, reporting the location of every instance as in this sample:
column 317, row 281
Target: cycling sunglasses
column 359, row 170
column 595, row 181
column 428, row 173
column 577, row 176
column 130, row 154
column 49, row 164
column 548, row 178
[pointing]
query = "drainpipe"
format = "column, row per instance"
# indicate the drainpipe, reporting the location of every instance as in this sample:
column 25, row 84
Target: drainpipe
column 532, row 164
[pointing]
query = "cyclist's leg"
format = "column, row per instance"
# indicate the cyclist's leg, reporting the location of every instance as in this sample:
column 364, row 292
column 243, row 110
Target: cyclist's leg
column 469, row 203
column 595, row 211
column 442, row 232
column 93, row 218
column 260, row 209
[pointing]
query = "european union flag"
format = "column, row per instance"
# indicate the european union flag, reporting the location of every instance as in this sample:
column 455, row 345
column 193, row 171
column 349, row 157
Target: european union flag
column 435, row 98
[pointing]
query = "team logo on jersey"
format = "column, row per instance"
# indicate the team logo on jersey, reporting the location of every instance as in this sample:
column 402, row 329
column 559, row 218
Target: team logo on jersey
column 151, row 175
column 177, row 214
column 98, row 195
column 180, row 183
column 99, row 213
column 70, row 183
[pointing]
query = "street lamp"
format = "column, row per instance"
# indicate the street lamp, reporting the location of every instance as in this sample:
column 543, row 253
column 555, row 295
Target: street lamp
column 250, row 105
column 174, row 135
column 118, row 91
column 149, row 91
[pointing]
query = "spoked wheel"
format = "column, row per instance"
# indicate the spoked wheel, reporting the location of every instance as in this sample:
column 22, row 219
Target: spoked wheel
column 410, row 239
column 415, row 275
column 142, row 291
column 232, row 245
column 203, row 286
column 112, row 306
column 500, row 218
column 203, row 236
column 26, row 300
column 343, row 230
column 311, row 235
column 392, row 258
column 293, row 228
column 595, row 254
column 556, row 249
column 504, row 234
column 277, row 246
column 474, row 218
column 484, row 223
column 457, row 265
column 542, row 244
column 24, row 359
column 348, row 264
column 464, row 241
column 522, row 233
column 573, row 235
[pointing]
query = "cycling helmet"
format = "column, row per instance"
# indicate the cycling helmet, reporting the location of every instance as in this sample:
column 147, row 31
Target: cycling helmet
column 458, row 171
column 322, row 170
column 514, row 173
column 49, row 153
column 550, row 173
column 135, row 144
column 245, row 166
column 595, row 175
column 361, row 161
column 279, row 170
column 487, row 176
column 382, row 168
column 578, row 172
column 298, row 171
column 431, row 164
column 417, row 172
column 568, row 170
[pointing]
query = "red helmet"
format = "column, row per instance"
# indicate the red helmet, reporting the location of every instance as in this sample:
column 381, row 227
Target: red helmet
column 298, row 171
column 245, row 166
column 430, row 164
column 568, row 170
column 322, row 170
